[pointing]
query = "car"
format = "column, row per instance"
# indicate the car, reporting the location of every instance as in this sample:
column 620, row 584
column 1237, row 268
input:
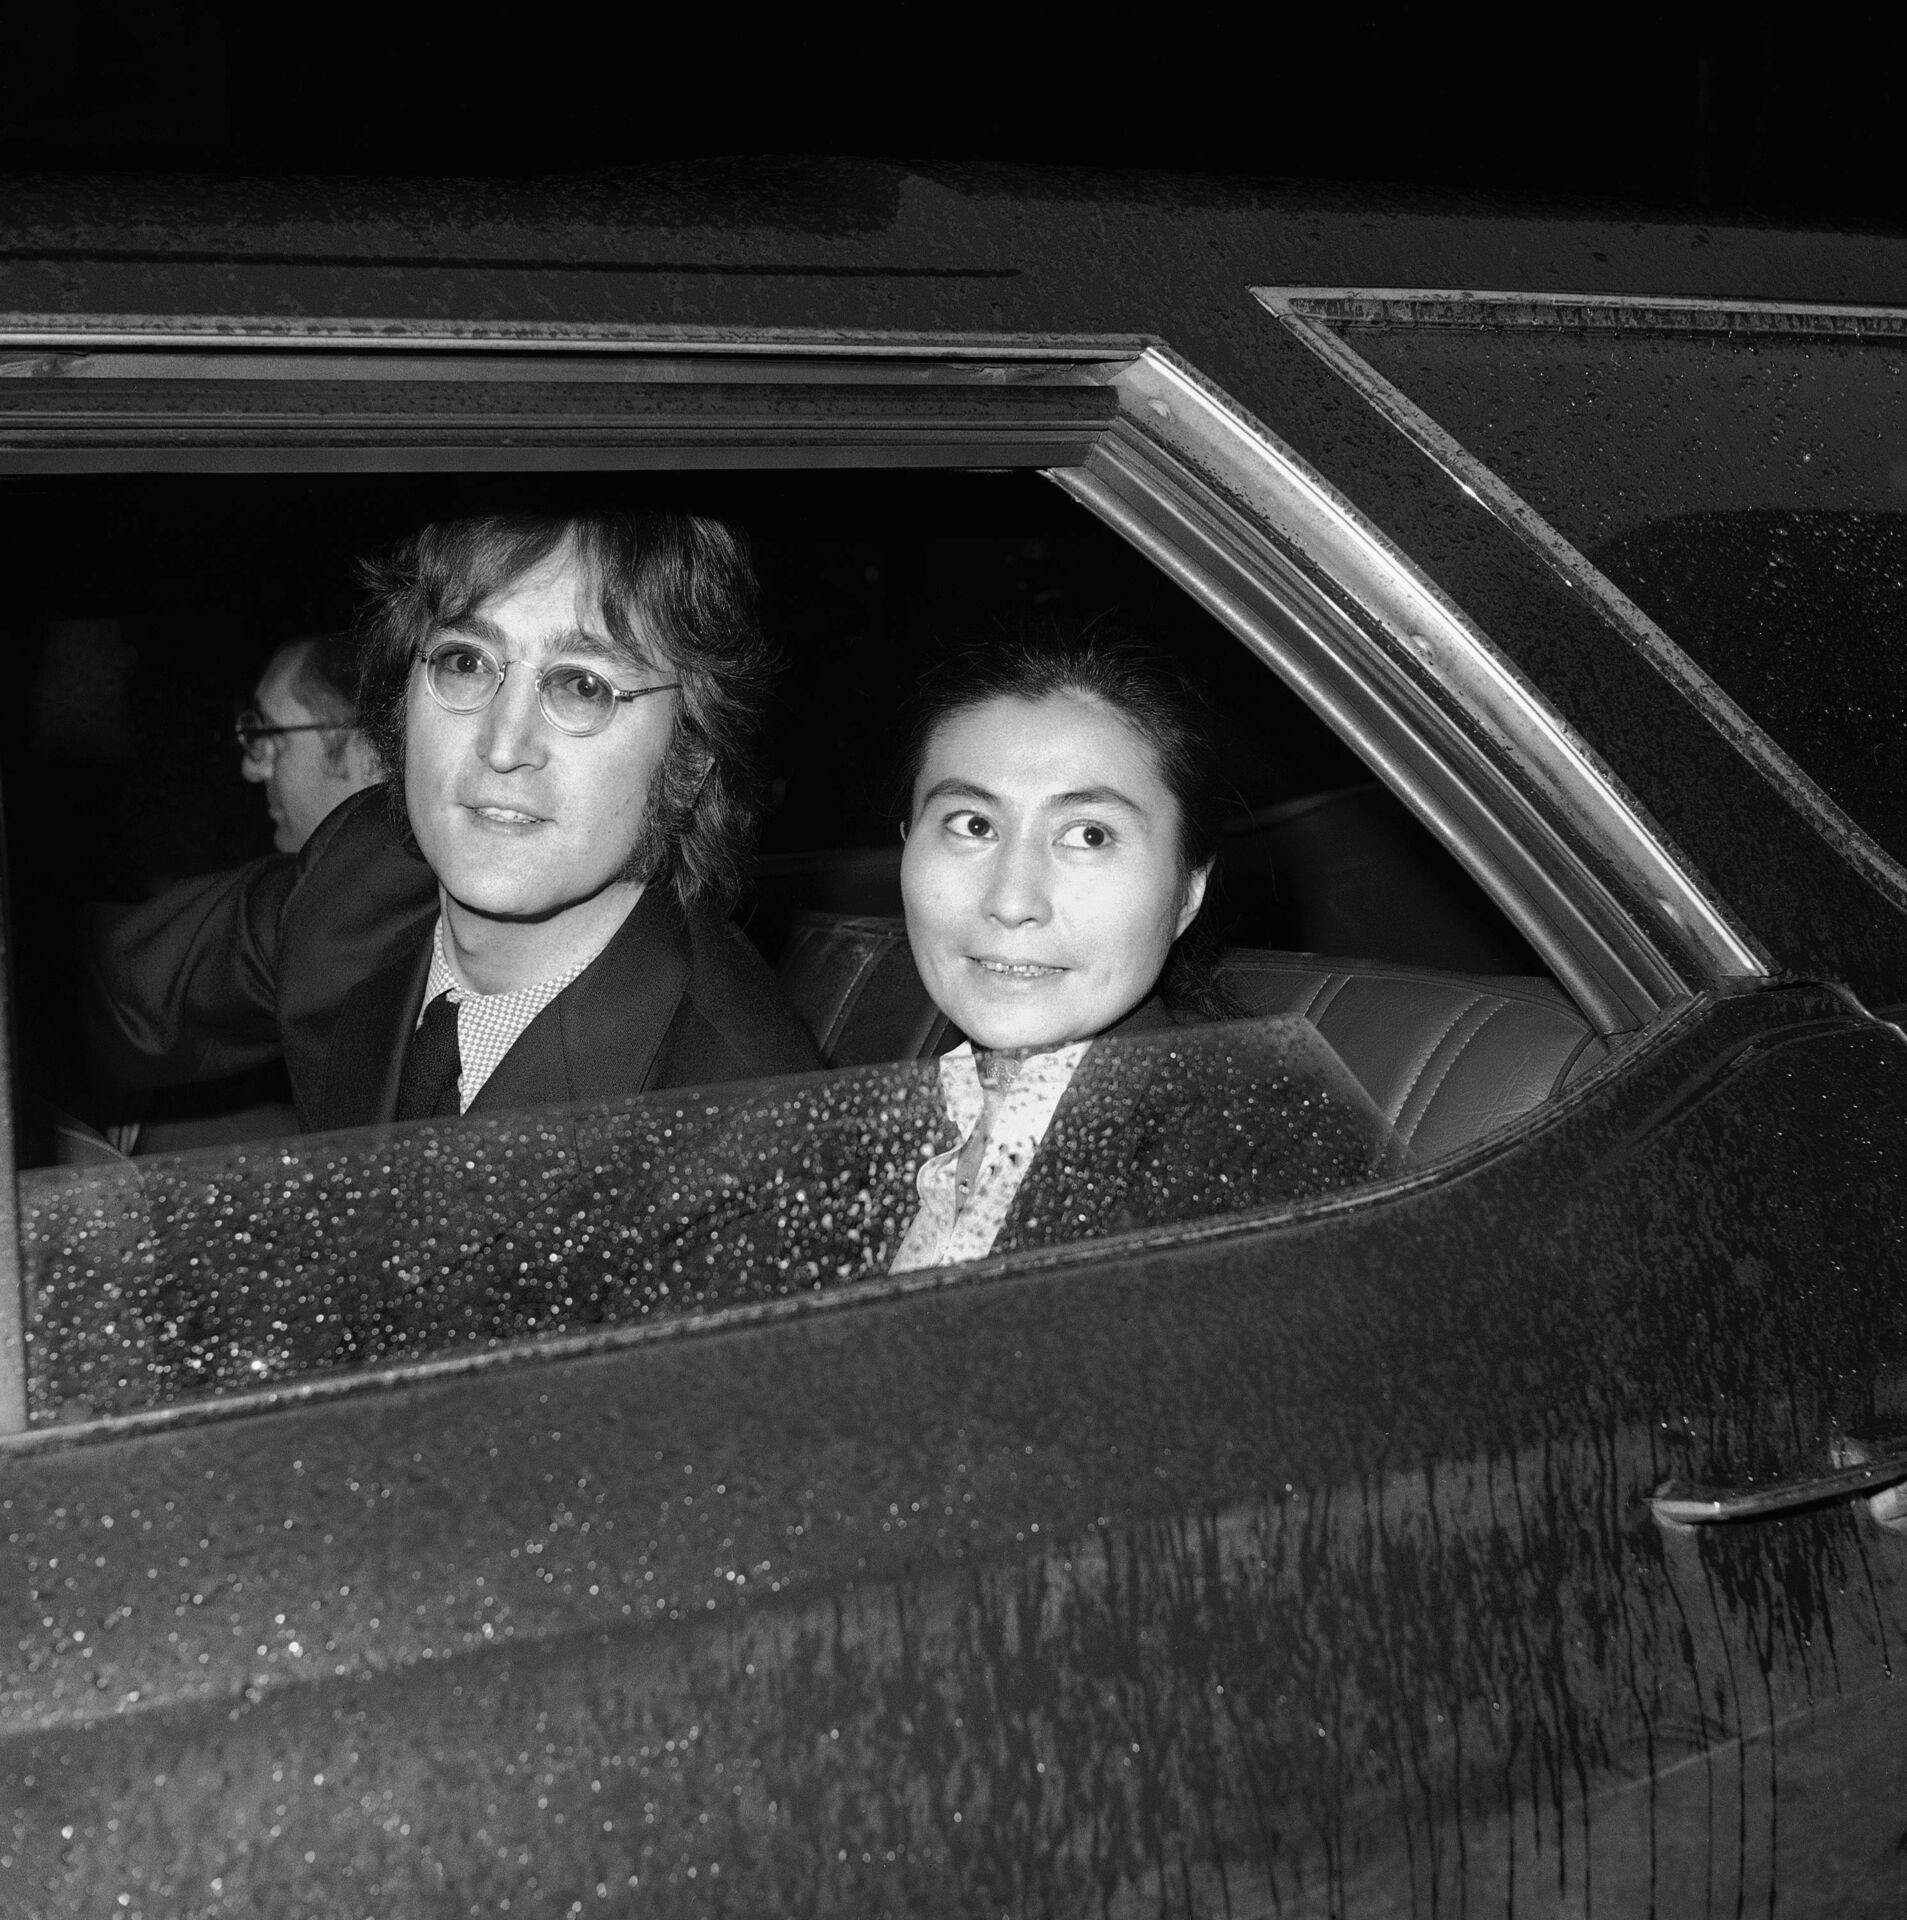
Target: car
column 419, row 1521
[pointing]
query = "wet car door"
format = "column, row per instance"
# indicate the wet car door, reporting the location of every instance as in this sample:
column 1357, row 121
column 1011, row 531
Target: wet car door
column 1300, row 1562
column 1301, row 1565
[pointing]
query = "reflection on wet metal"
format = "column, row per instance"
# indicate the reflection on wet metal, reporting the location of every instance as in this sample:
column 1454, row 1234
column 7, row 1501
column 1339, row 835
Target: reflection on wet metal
column 1676, row 1504
column 1385, row 1699
column 1299, row 1572
column 218, row 1271
column 1759, row 558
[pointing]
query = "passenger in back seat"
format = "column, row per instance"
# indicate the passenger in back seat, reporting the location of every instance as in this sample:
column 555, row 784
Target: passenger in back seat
column 1060, row 830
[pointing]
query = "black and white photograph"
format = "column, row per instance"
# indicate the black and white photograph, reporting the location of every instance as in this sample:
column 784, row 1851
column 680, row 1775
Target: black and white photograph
column 954, row 966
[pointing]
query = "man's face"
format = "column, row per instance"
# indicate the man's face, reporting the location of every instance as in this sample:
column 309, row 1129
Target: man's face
column 518, row 820
column 301, row 786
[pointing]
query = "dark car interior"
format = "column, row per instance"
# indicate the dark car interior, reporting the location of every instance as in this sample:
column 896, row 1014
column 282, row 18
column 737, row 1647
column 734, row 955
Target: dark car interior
column 155, row 601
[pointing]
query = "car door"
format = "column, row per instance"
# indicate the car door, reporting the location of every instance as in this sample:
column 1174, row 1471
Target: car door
column 1291, row 1562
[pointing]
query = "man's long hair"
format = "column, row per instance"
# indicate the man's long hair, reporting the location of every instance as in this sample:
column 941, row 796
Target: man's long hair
column 676, row 593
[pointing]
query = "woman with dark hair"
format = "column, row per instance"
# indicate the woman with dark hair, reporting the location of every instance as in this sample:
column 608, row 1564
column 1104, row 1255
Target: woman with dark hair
column 1062, row 821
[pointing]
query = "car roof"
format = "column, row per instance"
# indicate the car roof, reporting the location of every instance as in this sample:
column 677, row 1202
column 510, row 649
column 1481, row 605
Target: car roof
column 1165, row 245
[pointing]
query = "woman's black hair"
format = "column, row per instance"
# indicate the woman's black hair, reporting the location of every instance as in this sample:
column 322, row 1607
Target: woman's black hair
column 1158, row 700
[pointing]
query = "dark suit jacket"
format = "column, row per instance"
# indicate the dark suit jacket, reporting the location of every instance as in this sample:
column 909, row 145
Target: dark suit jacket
column 324, row 958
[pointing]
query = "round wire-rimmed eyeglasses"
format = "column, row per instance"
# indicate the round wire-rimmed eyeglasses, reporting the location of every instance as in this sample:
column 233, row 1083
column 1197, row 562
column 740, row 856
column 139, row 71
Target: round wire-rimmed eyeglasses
column 464, row 677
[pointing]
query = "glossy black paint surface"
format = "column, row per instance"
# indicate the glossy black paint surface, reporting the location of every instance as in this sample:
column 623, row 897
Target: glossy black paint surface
column 1301, row 1567
column 1305, row 1561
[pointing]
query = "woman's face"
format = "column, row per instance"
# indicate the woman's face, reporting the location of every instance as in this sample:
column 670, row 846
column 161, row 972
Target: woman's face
column 1041, row 872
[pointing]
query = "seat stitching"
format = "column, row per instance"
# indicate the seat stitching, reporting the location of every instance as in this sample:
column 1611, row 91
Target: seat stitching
column 1430, row 1053
column 831, row 1014
column 1449, row 1065
column 849, row 995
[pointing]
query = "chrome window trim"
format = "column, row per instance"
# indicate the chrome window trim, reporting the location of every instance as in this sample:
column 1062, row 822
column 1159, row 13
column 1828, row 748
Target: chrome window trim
column 1248, row 527
column 834, row 400
column 1314, row 315
column 13, row 1369
column 1229, row 511
column 61, row 334
column 1472, row 307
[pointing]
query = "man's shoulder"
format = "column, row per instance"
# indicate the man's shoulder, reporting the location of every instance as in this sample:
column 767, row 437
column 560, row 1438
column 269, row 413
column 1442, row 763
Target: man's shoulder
column 362, row 863
column 361, row 836
column 734, row 997
column 361, row 894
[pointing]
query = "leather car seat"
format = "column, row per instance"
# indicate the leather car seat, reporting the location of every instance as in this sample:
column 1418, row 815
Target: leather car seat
column 852, row 978
column 1447, row 1057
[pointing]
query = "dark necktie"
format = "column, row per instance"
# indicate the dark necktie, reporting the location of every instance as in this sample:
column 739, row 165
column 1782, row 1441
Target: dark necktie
column 427, row 1089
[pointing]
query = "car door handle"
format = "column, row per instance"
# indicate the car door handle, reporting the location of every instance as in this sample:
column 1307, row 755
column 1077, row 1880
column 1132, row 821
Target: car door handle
column 1677, row 1503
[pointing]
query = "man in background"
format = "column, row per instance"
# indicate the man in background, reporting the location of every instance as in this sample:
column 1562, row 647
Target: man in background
column 300, row 736
column 300, row 740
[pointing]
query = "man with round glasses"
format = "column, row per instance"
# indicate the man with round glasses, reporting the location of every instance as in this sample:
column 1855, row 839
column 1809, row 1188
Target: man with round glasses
column 533, row 908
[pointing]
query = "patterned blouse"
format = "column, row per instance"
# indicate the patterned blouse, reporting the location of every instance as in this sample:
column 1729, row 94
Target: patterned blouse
column 956, row 1225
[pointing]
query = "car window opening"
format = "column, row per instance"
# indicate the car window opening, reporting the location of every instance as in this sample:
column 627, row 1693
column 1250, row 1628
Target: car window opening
column 1336, row 916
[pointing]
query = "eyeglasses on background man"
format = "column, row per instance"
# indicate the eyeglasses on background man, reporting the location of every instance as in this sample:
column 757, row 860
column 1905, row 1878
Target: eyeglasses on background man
column 300, row 737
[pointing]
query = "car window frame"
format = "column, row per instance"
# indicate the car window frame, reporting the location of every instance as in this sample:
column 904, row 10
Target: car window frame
column 1132, row 431
column 1317, row 315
